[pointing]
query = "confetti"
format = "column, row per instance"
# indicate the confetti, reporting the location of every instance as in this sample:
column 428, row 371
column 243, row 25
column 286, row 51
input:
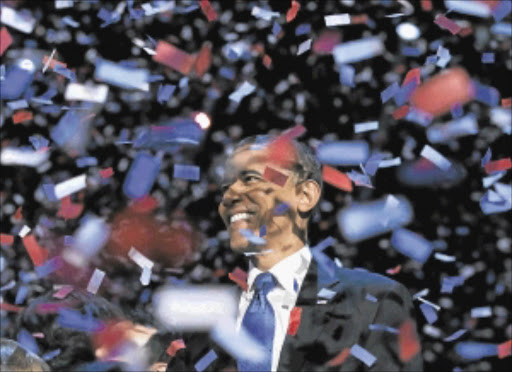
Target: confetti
column 347, row 75
column 27, row 341
column 90, row 93
column 502, row 10
column 337, row 20
column 447, row 24
column 63, row 292
column 292, row 12
column 506, row 102
column 363, row 355
column 365, row 127
column 455, row 335
column 208, row 10
column 383, row 327
column 122, row 77
column 389, row 92
column 336, row 178
column 444, row 257
column 21, row 116
column 294, row 323
column 429, row 313
column 408, row 342
column 411, row 245
column 358, row 50
column 475, row 350
column 481, row 312
column 343, row 152
column 5, row 40
column 498, row 165
column 371, row 298
column 51, row 354
column 37, row 254
column 187, row 172
column 8, row 307
column 390, row 162
column 304, row 47
column 505, row 349
column 95, row 281
column 74, row 319
column 70, row 186
column 24, row 23
column 6, row 239
column 280, row 209
column 435, row 157
column 395, row 270
column 265, row 14
column 274, row 176
column 141, row 176
column 242, row 91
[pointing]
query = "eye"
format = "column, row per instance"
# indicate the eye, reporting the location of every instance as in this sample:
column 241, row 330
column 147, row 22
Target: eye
column 250, row 178
column 224, row 188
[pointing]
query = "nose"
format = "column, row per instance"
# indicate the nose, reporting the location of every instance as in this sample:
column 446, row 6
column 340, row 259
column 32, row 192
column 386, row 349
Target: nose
column 232, row 195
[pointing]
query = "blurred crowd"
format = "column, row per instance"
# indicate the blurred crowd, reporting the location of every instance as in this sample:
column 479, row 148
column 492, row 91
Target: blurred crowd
column 116, row 118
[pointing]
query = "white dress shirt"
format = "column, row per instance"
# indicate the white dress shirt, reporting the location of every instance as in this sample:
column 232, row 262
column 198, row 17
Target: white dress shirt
column 289, row 274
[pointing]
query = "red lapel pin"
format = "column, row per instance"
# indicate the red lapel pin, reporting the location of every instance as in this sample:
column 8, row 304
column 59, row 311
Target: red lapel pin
column 294, row 324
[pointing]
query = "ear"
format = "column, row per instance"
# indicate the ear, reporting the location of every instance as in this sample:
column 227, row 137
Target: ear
column 308, row 195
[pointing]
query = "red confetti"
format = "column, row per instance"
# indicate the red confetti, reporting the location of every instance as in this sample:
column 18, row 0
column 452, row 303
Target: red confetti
column 175, row 346
column 408, row 341
column 326, row 42
column 337, row 179
column 413, row 74
column 358, row 19
column 275, row 176
column 173, row 57
column 38, row 335
column 6, row 239
column 447, row 24
column 506, row 102
column 105, row 173
column 394, row 270
column 498, row 165
column 465, row 31
column 203, row 60
column 426, row 5
column 292, row 12
column 50, row 307
column 208, row 10
column 505, row 349
column 239, row 277
column 63, row 292
column 145, row 204
column 37, row 254
column 340, row 358
column 68, row 209
column 294, row 324
column 439, row 94
column 8, row 307
column 400, row 112
column 267, row 61
column 5, row 40
column 53, row 62
column 18, row 215
column 21, row 116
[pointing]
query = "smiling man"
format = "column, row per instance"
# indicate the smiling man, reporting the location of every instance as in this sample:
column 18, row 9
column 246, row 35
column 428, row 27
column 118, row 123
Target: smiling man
column 307, row 315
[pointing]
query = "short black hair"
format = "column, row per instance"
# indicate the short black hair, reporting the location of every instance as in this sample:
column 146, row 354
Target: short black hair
column 307, row 166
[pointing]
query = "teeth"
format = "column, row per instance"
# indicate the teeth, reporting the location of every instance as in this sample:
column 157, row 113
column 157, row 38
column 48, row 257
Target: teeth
column 239, row 216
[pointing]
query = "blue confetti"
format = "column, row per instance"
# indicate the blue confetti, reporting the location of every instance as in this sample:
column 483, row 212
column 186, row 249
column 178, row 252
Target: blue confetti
column 70, row 318
column 502, row 10
column 187, row 172
column 383, row 327
column 302, row 29
column 324, row 244
column 432, row 59
column 49, row 267
column 347, row 75
column 487, row 57
column 411, row 244
column 502, row 29
column 455, row 335
column 59, row 69
column 18, row 104
column 487, row 157
column 141, row 176
column 227, row 72
column 263, row 230
column 38, row 142
column 475, row 350
column 251, row 237
column 49, row 190
column 363, row 355
column 205, row 361
column 67, row 127
column 88, row 161
column 276, row 28
column 343, row 152
column 403, row 95
column 51, row 354
column 389, row 92
column 486, row 94
column 280, row 209
column 164, row 92
column 121, row 76
column 429, row 313
column 26, row 340
column 457, row 111
column 409, row 51
column 21, row 295
column 372, row 164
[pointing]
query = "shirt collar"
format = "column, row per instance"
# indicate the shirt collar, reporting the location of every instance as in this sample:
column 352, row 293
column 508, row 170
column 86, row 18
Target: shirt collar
column 286, row 271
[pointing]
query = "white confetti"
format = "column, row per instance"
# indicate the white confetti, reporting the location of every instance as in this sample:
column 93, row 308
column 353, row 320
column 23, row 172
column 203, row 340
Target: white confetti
column 71, row 186
column 95, row 281
column 365, row 127
column 90, row 93
column 337, row 20
column 24, row 23
column 481, row 312
column 243, row 90
column 141, row 260
column 24, row 231
column 304, row 47
column 435, row 157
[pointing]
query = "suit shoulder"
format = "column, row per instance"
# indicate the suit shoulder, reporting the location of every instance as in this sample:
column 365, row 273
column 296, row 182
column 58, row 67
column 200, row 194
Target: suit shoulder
column 366, row 280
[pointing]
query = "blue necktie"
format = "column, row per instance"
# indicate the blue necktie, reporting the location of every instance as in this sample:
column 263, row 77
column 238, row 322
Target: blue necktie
column 259, row 320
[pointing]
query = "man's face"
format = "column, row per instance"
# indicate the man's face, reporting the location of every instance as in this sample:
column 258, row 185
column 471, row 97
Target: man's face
column 249, row 200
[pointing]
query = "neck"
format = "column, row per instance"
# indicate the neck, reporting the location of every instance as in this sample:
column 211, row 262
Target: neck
column 279, row 252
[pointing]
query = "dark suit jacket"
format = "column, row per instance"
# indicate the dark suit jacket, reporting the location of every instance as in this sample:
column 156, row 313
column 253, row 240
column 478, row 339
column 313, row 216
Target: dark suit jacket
column 325, row 330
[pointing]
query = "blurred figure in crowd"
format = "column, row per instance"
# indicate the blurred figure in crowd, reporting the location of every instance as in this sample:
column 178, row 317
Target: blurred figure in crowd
column 15, row 358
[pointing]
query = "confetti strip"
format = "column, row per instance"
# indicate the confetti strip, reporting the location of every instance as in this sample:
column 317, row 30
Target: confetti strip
column 481, row 312
column 447, row 24
column 411, row 245
column 5, row 40
column 187, row 172
column 358, row 50
column 337, row 20
column 339, row 359
column 365, row 127
column 37, row 254
column 294, row 324
column 239, row 277
column 70, row 186
column 95, row 281
column 292, row 12
column 458, row 334
column 63, row 292
column 141, row 260
column 274, row 176
column 21, row 116
column 505, row 349
column 49, row 267
column 175, row 346
column 408, row 342
column 89, row 93
column 336, row 178
column 107, row 172
column 6, row 239
column 24, row 23
column 363, row 355
column 208, row 10
column 242, row 91
column 343, row 152
column 435, row 157
column 498, row 165
column 304, row 47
